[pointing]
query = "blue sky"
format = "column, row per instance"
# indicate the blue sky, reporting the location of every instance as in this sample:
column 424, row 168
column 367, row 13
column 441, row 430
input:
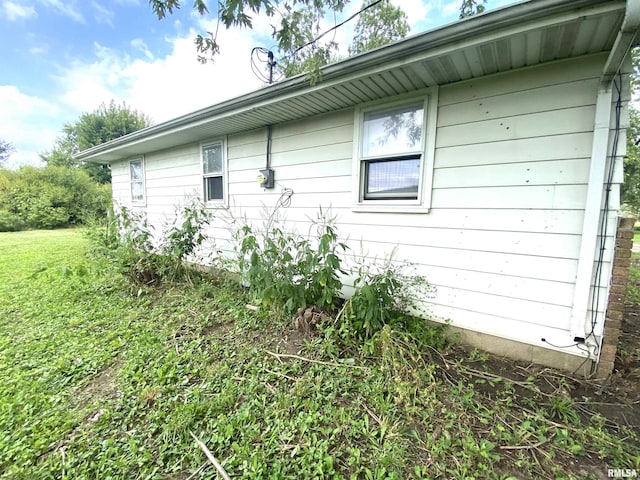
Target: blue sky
column 61, row 58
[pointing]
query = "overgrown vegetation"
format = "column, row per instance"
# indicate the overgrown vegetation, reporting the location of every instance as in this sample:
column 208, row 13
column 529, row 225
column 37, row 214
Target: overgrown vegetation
column 49, row 197
column 383, row 294
column 288, row 270
column 97, row 382
column 126, row 240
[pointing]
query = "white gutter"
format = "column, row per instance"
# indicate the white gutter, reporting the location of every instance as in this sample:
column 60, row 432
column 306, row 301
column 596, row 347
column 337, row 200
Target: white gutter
column 580, row 326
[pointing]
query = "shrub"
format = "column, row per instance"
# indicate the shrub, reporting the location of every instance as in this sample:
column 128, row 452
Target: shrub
column 126, row 240
column 384, row 293
column 51, row 197
column 186, row 233
column 288, row 270
column 10, row 222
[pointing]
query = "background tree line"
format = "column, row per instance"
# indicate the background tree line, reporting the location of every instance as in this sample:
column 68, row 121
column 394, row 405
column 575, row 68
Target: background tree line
column 65, row 192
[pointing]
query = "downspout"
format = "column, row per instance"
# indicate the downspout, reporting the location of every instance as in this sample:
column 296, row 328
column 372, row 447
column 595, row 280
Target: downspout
column 599, row 152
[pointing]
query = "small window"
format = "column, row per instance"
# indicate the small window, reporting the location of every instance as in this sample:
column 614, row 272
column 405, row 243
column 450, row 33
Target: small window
column 392, row 168
column 392, row 151
column 136, row 174
column 213, row 172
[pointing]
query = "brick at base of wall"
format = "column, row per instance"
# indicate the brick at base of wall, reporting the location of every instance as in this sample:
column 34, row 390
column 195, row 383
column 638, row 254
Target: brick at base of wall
column 617, row 297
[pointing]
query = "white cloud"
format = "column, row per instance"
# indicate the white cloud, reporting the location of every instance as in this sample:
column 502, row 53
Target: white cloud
column 15, row 11
column 451, row 8
column 29, row 123
column 139, row 44
column 102, row 14
column 67, row 8
column 40, row 50
column 161, row 87
column 417, row 11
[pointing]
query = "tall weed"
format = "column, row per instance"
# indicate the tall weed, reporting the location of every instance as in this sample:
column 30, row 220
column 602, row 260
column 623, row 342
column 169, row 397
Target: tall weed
column 126, row 239
column 288, row 270
column 384, row 293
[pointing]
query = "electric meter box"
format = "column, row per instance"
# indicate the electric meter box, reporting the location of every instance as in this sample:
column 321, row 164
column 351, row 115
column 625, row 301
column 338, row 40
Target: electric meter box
column 266, row 178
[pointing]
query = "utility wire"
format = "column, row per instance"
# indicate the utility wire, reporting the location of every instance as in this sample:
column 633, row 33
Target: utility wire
column 595, row 299
column 604, row 223
column 372, row 4
column 256, row 57
column 257, row 51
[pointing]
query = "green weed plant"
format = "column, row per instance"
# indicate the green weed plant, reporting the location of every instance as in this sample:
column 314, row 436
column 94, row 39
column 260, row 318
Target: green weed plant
column 288, row 270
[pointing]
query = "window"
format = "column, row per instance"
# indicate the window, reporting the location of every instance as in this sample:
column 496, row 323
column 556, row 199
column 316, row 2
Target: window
column 136, row 175
column 394, row 155
column 213, row 172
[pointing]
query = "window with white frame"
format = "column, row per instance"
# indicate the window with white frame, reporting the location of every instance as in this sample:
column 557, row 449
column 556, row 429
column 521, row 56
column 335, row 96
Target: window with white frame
column 136, row 179
column 213, row 171
column 394, row 154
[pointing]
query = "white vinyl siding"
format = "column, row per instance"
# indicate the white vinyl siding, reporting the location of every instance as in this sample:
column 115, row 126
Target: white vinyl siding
column 501, row 236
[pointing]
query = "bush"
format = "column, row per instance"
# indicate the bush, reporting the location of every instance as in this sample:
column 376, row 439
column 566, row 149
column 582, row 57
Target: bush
column 284, row 269
column 126, row 240
column 384, row 293
column 51, row 197
column 10, row 222
column 289, row 271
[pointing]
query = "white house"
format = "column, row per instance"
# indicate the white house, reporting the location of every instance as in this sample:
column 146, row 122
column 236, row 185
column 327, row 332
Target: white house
column 500, row 180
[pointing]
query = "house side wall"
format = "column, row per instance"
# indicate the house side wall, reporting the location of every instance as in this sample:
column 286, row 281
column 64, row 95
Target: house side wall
column 501, row 241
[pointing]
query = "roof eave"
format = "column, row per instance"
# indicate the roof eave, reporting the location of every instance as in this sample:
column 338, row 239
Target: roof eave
column 445, row 35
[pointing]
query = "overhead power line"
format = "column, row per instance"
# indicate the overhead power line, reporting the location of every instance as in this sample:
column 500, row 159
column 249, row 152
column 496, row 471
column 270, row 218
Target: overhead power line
column 372, row 4
column 257, row 52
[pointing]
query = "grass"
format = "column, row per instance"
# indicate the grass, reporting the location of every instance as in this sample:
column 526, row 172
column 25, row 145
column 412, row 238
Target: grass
column 101, row 381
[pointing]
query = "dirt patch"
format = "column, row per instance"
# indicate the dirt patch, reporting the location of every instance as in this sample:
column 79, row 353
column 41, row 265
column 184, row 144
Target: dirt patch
column 217, row 329
column 292, row 342
column 616, row 399
column 103, row 386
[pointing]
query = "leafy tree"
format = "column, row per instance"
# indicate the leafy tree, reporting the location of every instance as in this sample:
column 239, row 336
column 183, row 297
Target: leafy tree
column 49, row 197
column 300, row 27
column 378, row 26
column 91, row 129
column 469, row 8
column 63, row 150
column 631, row 186
column 6, row 149
column 290, row 33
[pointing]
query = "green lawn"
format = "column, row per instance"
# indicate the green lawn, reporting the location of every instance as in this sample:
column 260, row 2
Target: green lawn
column 102, row 381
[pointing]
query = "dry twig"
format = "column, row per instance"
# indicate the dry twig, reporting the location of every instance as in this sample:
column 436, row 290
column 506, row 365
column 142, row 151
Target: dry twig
column 522, row 447
column 201, row 468
column 373, row 415
column 211, row 458
column 288, row 377
column 280, row 356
